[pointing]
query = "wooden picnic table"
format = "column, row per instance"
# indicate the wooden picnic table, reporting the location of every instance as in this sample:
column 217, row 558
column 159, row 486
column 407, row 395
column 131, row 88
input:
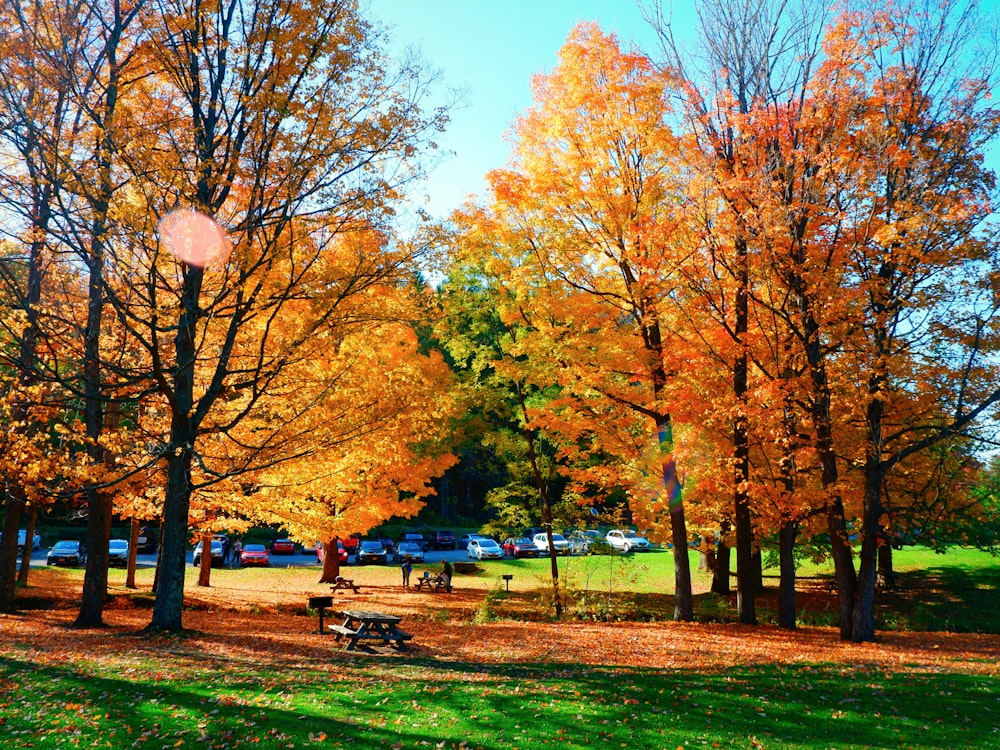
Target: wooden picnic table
column 344, row 583
column 363, row 625
column 430, row 583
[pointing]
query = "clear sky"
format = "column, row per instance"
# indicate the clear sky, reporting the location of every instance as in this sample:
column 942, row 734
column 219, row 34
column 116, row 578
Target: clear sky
column 492, row 48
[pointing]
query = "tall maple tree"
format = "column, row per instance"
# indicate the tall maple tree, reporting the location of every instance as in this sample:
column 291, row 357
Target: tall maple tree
column 582, row 222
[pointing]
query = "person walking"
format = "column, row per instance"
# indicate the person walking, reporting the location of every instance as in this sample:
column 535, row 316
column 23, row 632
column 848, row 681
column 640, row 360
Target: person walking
column 407, row 568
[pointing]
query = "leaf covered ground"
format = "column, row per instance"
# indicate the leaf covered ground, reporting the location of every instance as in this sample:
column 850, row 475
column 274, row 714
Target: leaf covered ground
column 251, row 670
column 260, row 617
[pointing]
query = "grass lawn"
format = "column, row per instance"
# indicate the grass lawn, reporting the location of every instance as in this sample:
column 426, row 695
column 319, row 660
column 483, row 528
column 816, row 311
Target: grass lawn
column 253, row 672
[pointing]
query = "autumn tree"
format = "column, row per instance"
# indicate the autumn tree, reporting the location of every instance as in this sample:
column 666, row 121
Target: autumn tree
column 582, row 229
column 60, row 85
column 300, row 135
column 917, row 252
column 480, row 329
column 371, row 444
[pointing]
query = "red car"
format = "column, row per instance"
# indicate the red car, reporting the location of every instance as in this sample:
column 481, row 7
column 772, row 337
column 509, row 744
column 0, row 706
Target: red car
column 520, row 547
column 341, row 549
column 255, row 554
column 282, row 547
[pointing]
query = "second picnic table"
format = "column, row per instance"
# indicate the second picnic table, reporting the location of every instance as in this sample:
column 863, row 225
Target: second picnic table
column 362, row 625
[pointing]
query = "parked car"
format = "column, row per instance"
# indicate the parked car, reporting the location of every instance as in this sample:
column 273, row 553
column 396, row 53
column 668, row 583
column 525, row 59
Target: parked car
column 625, row 540
column 520, row 546
column 282, row 547
column 463, row 541
column 215, row 551
column 411, row 550
column 351, row 544
column 22, row 537
column 66, row 553
column 389, row 546
column 117, row 552
column 370, row 551
column 588, row 542
column 443, row 539
column 559, row 543
column 341, row 550
column 416, row 537
column 484, row 549
column 147, row 540
column 255, row 555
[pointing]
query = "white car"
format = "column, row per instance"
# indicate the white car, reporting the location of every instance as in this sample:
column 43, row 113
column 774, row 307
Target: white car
column 626, row 541
column 559, row 542
column 484, row 549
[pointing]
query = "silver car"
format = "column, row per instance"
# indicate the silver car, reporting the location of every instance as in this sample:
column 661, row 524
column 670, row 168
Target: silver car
column 559, row 543
column 118, row 552
column 410, row 550
column 626, row 540
column 484, row 549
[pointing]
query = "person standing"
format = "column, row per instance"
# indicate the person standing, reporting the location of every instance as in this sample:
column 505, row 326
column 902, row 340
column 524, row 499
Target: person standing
column 447, row 571
column 407, row 568
column 238, row 554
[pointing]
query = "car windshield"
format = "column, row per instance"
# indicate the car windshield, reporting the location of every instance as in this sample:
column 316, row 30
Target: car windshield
column 374, row 546
column 558, row 538
column 523, row 540
column 65, row 546
column 118, row 544
column 631, row 534
column 255, row 548
column 487, row 543
column 408, row 546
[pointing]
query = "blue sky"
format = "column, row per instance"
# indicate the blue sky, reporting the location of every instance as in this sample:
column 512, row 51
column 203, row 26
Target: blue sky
column 492, row 49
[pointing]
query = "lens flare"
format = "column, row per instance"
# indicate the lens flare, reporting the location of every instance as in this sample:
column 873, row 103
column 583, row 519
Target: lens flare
column 194, row 238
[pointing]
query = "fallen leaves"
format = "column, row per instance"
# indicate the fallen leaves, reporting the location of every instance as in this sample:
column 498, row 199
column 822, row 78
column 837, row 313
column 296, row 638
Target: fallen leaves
column 274, row 630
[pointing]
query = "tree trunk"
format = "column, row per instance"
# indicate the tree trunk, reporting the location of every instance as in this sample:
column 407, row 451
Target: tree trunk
column 169, row 604
column 836, row 523
column 13, row 510
column 99, row 506
column 720, row 578
column 133, row 542
column 786, row 584
column 863, row 623
column 95, row 579
column 205, row 567
column 746, row 587
column 331, row 562
column 683, row 594
column 15, row 507
column 29, row 535
column 886, row 575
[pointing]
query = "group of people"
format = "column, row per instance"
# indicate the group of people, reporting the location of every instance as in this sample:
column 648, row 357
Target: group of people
column 445, row 576
column 232, row 553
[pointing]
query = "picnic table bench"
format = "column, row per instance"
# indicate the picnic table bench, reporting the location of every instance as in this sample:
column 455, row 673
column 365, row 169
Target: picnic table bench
column 360, row 625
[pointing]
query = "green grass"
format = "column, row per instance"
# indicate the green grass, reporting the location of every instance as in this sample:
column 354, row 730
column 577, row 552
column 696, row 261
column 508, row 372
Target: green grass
column 958, row 591
column 186, row 695
column 373, row 702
